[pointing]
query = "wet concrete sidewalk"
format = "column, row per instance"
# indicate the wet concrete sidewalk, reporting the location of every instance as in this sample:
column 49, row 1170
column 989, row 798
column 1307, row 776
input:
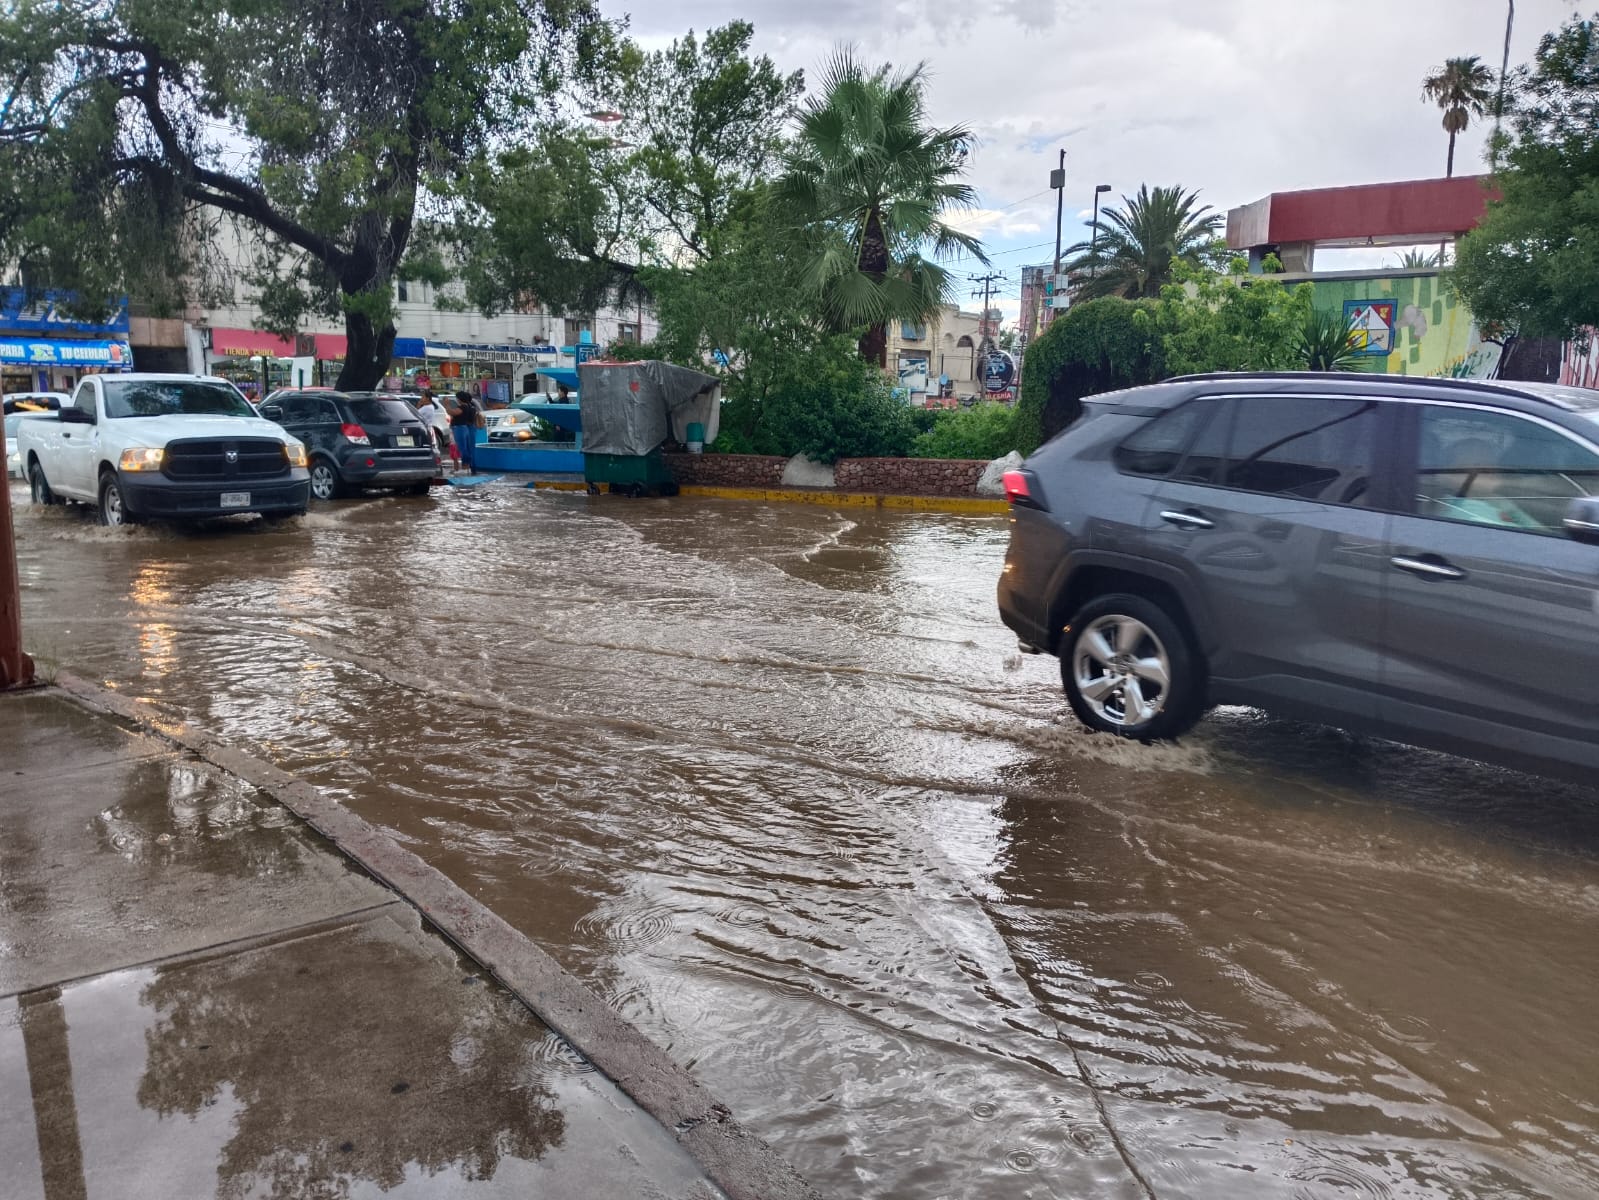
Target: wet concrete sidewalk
column 198, row 997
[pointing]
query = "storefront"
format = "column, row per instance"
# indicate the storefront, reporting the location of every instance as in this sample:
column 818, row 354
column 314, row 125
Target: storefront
column 499, row 372
column 44, row 350
column 257, row 363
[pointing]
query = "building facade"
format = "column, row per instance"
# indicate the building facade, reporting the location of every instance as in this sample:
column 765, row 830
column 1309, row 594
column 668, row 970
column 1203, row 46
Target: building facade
column 938, row 360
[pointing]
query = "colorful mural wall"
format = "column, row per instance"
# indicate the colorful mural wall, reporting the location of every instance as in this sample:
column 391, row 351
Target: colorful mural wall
column 1579, row 362
column 1408, row 325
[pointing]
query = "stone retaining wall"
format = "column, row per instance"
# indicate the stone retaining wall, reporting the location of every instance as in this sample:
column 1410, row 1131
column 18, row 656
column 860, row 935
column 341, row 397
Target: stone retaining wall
column 900, row 476
column 728, row 470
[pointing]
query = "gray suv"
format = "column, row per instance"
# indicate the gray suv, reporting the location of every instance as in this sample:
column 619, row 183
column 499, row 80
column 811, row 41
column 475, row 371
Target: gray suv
column 1412, row 558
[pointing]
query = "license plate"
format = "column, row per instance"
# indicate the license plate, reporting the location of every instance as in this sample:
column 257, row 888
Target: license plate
column 404, row 439
column 235, row 499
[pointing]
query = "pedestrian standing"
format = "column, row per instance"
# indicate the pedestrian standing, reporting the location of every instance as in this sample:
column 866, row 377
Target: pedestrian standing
column 428, row 409
column 465, row 418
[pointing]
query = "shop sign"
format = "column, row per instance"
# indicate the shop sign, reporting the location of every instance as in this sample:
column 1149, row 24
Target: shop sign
column 999, row 371
column 45, row 313
column 38, row 352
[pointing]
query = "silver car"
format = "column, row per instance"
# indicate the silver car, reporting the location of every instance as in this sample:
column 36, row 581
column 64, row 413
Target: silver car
column 1412, row 558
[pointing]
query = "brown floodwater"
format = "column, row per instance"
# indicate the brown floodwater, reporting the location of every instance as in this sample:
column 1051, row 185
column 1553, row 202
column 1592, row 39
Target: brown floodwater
column 774, row 781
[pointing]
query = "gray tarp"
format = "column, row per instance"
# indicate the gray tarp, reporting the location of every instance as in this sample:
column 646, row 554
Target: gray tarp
column 630, row 408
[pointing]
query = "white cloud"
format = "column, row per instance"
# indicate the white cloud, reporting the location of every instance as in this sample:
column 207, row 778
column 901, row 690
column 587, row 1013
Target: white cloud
column 1237, row 98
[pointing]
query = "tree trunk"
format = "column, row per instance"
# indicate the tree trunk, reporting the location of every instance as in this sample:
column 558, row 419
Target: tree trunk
column 874, row 265
column 874, row 345
column 1449, row 171
column 367, row 353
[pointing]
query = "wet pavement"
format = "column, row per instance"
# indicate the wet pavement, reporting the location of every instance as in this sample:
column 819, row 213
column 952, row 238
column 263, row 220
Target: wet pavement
column 774, row 781
column 196, row 999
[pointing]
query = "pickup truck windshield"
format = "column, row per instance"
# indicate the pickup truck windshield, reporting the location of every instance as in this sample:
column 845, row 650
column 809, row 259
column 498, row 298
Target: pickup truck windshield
column 169, row 397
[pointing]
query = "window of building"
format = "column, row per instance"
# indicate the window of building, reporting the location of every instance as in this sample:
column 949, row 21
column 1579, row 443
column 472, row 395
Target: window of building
column 403, row 290
column 1496, row 469
column 911, row 331
column 576, row 327
column 627, row 332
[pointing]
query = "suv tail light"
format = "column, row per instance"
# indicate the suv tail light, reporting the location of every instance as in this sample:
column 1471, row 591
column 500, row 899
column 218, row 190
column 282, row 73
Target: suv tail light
column 355, row 434
column 1022, row 489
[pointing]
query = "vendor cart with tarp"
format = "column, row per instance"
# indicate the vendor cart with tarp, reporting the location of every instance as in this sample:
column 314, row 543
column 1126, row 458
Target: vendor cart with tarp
column 630, row 410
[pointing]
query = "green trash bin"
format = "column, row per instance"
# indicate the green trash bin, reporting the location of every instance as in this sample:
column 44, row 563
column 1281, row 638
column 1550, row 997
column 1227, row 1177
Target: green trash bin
column 629, row 474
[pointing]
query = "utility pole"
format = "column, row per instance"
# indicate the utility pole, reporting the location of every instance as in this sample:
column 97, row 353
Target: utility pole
column 16, row 668
column 988, row 282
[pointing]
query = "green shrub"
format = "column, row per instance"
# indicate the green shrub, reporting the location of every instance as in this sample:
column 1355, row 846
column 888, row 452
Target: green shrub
column 1097, row 346
column 982, row 431
column 836, row 407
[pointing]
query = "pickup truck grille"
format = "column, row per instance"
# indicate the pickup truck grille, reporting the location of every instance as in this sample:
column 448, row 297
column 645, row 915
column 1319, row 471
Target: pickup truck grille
column 251, row 458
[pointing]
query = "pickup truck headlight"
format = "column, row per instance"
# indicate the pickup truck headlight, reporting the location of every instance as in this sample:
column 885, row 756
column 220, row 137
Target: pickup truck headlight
column 295, row 453
column 142, row 458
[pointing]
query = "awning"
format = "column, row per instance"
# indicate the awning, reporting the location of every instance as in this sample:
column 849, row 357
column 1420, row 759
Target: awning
column 66, row 352
column 331, row 346
column 483, row 352
column 247, row 343
column 409, row 348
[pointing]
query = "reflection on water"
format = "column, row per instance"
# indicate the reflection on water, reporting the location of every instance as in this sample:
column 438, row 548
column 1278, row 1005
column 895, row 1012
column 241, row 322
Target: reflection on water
column 774, row 781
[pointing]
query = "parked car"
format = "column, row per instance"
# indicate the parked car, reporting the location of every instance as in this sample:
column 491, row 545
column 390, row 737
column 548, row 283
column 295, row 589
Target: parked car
column 14, row 467
column 511, row 425
column 358, row 440
column 173, row 446
column 1412, row 558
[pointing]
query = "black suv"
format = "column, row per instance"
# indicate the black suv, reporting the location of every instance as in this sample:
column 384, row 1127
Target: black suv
column 1413, row 558
column 357, row 440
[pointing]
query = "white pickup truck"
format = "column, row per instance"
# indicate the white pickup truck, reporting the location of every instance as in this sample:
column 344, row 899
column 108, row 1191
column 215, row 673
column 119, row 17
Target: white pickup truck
column 181, row 447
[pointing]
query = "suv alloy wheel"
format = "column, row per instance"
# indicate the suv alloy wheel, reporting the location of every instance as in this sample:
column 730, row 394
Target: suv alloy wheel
column 1128, row 669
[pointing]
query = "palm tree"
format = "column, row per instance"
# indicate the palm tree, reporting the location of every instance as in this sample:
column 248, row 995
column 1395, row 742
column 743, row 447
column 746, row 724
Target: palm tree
column 869, row 181
column 1326, row 341
column 1417, row 260
column 1462, row 87
column 1133, row 247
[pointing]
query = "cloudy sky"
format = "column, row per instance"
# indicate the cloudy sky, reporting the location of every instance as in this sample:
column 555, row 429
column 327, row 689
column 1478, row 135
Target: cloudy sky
column 1238, row 98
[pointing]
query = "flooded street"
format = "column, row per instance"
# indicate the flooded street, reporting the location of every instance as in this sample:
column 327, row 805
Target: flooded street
column 774, row 781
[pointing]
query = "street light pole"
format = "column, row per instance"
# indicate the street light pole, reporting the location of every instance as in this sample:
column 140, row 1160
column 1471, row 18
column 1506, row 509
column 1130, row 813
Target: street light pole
column 1093, row 237
column 1057, row 180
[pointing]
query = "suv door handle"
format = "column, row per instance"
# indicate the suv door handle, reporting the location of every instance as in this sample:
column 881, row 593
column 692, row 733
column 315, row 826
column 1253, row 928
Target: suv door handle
column 1428, row 567
column 1187, row 520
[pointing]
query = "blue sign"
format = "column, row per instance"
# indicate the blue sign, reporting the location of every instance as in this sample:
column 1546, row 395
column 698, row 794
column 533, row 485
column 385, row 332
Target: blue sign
column 50, row 352
column 45, row 314
column 584, row 351
column 720, row 356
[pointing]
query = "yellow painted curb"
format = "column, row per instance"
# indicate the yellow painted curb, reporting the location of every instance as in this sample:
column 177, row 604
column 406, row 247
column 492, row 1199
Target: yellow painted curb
column 957, row 504
column 960, row 504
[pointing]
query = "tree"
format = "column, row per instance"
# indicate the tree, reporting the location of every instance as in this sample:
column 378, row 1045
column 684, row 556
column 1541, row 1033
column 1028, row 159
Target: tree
column 1461, row 87
column 1531, row 267
column 1132, row 254
column 870, row 182
column 1233, row 322
column 319, row 128
column 1419, row 260
column 1096, row 346
column 567, row 218
column 707, row 118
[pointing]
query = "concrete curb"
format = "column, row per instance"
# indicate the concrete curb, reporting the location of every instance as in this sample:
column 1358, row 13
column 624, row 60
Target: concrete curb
column 822, row 497
column 737, row 1161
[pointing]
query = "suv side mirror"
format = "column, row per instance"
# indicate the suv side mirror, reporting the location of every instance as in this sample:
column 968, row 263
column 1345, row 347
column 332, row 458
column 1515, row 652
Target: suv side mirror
column 1582, row 520
column 272, row 412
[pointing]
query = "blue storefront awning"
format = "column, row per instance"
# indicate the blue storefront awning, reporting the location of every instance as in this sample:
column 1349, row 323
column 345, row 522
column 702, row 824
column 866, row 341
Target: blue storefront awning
column 66, row 352
column 409, row 348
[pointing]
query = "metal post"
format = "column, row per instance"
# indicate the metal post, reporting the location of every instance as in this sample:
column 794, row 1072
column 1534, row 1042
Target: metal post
column 16, row 668
column 1093, row 237
column 1057, row 180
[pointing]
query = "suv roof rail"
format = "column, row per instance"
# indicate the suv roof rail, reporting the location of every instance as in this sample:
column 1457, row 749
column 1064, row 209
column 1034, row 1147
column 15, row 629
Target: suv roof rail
column 1498, row 387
